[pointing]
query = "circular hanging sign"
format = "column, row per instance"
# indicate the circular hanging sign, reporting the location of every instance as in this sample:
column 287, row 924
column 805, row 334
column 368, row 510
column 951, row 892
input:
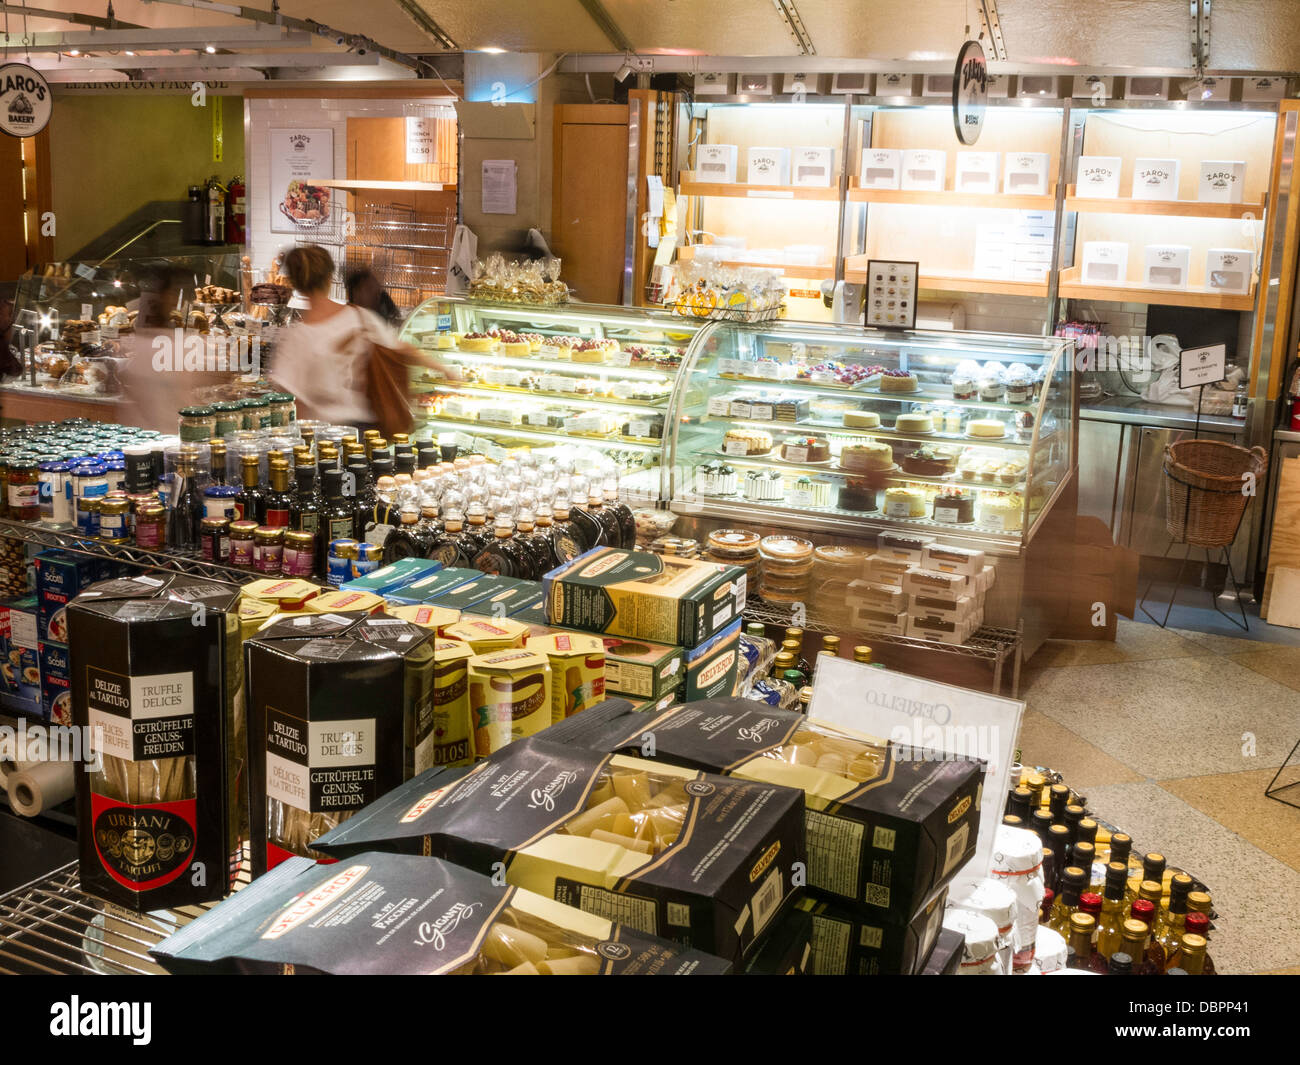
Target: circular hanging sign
column 25, row 102
column 970, row 92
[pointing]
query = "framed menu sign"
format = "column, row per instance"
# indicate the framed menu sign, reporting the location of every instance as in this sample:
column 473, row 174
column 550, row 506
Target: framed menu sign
column 297, row 157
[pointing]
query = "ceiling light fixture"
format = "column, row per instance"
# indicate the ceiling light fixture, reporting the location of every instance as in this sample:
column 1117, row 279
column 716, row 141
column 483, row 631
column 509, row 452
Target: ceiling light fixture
column 624, row 71
column 210, row 50
column 492, row 51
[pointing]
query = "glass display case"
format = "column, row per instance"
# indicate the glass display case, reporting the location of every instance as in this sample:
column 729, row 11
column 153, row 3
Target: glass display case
column 847, row 432
column 575, row 374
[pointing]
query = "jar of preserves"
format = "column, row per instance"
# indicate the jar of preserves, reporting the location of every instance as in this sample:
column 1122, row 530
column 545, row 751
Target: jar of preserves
column 342, row 552
column 24, row 490
column 151, row 525
column 113, row 520
column 299, row 553
column 219, row 501
column 241, row 543
column 268, row 549
column 196, row 424
column 227, row 418
column 257, row 413
column 88, row 516
column 214, row 540
column 56, row 495
column 283, row 409
column 90, row 481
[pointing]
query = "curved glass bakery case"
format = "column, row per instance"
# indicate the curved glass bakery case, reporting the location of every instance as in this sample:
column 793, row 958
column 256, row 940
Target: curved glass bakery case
column 576, row 374
column 848, row 432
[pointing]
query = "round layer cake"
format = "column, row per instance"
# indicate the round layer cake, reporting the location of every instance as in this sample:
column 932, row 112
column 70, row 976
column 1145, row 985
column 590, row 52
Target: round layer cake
column 716, row 479
column 865, row 457
column 905, row 503
column 898, row 381
column 858, row 495
column 955, row 506
column 810, row 492
column 929, row 461
column 861, row 419
column 914, row 423
column 747, row 442
column 764, row 484
column 805, row 449
column 990, row 428
column 1004, row 513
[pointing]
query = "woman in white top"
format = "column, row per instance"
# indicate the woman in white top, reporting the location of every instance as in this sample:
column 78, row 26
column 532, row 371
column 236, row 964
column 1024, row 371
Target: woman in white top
column 323, row 359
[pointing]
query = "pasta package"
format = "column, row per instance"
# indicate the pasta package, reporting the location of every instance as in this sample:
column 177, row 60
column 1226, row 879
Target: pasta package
column 886, row 827
column 577, row 671
column 663, row 598
column 156, row 676
column 786, row 949
column 846, row 941
column 308, row 918
column 287, row 594
column 335, row 704
column 703, row 860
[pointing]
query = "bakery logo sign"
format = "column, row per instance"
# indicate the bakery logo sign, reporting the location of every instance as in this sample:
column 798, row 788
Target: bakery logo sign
column 1096, row 174
column 1220, row 179
column 300, row 142
column 1154, row 176
column 25, row 101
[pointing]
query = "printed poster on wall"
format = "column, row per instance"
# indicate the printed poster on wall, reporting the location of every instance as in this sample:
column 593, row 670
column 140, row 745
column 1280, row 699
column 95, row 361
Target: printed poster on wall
column 298, row 155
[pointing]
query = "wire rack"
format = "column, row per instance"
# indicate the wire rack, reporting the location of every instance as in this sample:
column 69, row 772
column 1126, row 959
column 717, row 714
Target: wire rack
column 70, row 541
column 51, row 926
column 408, row 249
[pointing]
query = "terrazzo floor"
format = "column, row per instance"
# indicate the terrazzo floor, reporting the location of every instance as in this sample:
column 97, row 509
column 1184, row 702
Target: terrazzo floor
column 1173, row 735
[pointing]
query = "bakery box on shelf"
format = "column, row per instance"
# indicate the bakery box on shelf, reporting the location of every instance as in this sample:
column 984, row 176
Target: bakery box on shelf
column 839, row 435
column 539, row 377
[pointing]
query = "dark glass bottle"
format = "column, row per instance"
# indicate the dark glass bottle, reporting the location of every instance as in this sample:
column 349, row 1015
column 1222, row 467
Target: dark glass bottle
column 1018, row 803
column 454, row 546
column 337, row 516
column 1058, row 841
column 535, row 545
column 476, row 527
column 184, row 507
column 592, row 523
column 408, row 539
column 503, row 555
column 377, row 515
column 795, row 634
column 1041, row 822
column 570, row 538
column 250, row 504
column 305, row 510
column 428, row 456
column 278, row 502
column 404, row 461
column 1058, row 797
column 623, row 518
column 217, row 456
column 430, row 522
column 1120, row 964
column 1070, row 818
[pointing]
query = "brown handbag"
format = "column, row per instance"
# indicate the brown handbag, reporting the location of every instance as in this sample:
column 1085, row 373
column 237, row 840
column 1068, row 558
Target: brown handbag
column 387, row 383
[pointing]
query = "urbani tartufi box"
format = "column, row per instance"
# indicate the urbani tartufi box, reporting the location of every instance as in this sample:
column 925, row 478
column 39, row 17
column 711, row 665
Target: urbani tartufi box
column 640, row 594
column 155, row 674
column 302, row 917
column 336, row 703
column 887, row 827
column 705, row 861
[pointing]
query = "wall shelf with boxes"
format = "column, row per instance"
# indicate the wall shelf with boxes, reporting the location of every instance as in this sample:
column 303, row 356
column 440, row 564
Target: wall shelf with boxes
column 1074, row 287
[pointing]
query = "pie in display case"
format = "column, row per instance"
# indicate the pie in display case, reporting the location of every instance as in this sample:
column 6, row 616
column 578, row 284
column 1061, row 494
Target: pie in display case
column 577, row 374
column 849, row 432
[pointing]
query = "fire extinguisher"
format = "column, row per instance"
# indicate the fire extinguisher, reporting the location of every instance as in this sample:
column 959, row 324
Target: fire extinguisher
column 214, row 227
column 235, row 211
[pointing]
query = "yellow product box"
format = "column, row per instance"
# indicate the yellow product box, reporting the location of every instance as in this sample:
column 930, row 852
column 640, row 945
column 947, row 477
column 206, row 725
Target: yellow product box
column 253, row 614
column 437, row 618
column 350, row 602
column 446, row 737
column 577, row 671
column 509, row 697
column 487, row 634
column 288, row 594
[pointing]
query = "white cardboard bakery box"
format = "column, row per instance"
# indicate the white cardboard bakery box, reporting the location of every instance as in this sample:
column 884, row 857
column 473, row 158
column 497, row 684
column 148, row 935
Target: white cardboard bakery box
column 936, row 85
column 1032, row 253
column 1105, row 262
column 1263, row 88
column 924, row 170
column 1026, row 173
column 1033, row 272
column 856, row 82
column 1166, row 265
column 767, row 166
column 1222, row 181
column 998, row 85
column 1037, row 86
column 716, row 162
column 754, row 84
column 894, row 85
column 1155, row 179
column 1229, row 270
column 712, row 83
column 1146, row 88
column 881, row 168
column 812, row 167
column 977, row 172
column 1098, row 176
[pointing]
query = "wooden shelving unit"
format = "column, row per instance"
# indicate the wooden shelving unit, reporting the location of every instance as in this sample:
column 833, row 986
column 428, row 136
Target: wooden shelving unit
column 950, row 198
column 1073, row 288
column 830, row 193
column 855, row 270
column 1170, row 208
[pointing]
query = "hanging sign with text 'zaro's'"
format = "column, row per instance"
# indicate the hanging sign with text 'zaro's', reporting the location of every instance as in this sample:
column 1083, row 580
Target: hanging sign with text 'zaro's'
column 970, row 92
column 25, row 101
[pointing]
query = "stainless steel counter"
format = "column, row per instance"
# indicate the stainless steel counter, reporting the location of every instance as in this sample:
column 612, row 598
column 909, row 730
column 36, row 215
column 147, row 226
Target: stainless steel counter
column 1134, row 410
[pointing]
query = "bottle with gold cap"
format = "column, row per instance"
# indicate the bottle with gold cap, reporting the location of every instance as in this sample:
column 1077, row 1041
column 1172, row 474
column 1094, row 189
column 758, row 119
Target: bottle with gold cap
column 277, row 501
column 1198, row 924
column 831, row 643
column 785, row 667
column 805, row 698
column 1153, row 868
column 1171, row 918
column 1192, row 954
column 794, row 635
column 1073, row 883
column 1081, row 953
column 250, row 503
column 1035, row 782
column 1112, row 908
column 1133, row 942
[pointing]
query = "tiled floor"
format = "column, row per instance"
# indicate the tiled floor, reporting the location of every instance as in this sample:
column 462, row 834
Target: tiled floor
column 1173, row 735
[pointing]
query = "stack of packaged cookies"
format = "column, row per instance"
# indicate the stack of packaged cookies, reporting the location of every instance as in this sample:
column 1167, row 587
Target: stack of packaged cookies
column 787, row 566
column 914, row 586
column 681, row 546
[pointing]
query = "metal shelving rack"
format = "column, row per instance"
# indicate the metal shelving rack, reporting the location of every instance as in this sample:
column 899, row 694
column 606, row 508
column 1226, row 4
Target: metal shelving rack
column 128, row 553
column 50, row 926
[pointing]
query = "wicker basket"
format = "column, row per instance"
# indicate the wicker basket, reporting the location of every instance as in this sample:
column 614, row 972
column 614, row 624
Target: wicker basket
column 1204, row 489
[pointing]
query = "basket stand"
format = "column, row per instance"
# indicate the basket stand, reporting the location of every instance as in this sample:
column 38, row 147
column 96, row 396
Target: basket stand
column 1243, row 624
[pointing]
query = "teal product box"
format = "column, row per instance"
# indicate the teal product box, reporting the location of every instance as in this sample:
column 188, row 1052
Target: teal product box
column 490, row 595
column 532, row 612
column 395, row 575
column 435, row 584
column 20, row 667
column 711, row 667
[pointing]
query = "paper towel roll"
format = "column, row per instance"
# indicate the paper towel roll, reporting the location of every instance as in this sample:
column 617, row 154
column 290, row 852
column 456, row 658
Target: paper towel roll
column 41, row 787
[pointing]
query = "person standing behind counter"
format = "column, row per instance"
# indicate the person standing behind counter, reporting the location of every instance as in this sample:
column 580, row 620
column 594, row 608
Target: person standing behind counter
column 323, row 359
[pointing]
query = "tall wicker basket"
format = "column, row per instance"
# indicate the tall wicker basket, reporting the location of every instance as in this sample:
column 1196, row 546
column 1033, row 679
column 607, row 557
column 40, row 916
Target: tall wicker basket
column 1206, row 489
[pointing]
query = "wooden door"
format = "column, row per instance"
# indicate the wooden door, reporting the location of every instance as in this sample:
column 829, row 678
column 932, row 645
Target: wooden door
column 589, row 198
column 13, row 245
